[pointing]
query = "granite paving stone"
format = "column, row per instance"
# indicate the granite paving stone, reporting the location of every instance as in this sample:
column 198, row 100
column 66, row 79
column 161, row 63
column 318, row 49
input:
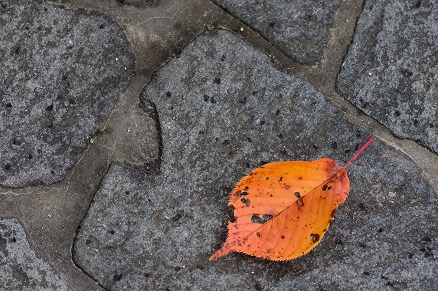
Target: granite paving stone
column 391, row 72
column 140, row 3
column 223, row 108
column 300, row 29
column 62, row 72
column 20, row 267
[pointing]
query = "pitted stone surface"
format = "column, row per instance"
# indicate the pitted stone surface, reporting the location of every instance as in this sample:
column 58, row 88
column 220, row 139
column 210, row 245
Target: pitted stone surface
column 62, row 72
column 20, row 267
column 224, row 109
column 140, row 3
column 391, row 71
column 298, row 28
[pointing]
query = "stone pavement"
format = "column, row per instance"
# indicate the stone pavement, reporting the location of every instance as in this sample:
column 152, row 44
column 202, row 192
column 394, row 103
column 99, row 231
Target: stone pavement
column 125, row 125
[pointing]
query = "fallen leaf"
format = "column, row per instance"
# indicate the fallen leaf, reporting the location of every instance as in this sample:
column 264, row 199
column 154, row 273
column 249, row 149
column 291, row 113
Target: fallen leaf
column 283, row 209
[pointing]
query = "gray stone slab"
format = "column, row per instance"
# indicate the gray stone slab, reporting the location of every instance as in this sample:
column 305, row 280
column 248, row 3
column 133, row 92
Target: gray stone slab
column 300, row 29
column 62, row 72
column 391, row 71
column 20, row 267
column 140, row 3
column 223, row 109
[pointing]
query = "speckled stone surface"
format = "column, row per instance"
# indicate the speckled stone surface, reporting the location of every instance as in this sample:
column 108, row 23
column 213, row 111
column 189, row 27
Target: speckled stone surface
column 140, row 3
column 300, row 29
column 224, row 108
column 20, row 267
column 391, row 71
column 62, row 72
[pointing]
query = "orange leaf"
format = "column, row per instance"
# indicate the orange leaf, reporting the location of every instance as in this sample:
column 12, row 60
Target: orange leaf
column 283, row 209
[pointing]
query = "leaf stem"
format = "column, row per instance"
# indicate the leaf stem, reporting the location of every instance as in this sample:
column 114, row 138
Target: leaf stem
column 359, row 152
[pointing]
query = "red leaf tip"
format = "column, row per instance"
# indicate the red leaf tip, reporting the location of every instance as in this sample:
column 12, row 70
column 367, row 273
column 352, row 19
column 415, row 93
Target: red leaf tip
column 359, row 152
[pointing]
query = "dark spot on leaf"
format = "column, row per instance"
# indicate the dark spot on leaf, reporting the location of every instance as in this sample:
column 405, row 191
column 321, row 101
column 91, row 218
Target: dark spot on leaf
column 258, row 234
column 297, row 194
column 329, row 188
column 245, row 201
column 242, row 193
column 286, row 187
column 314, row 237
column 256, row 218
column 267, row 178
column 324, row 187
column 282, row 237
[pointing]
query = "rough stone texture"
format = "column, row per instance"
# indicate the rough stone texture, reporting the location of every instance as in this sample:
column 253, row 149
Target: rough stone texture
column 20, row 268
column 62, row 72
column 298, row 28
column 140, row 3
column 224, row 109
column 390, row 71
